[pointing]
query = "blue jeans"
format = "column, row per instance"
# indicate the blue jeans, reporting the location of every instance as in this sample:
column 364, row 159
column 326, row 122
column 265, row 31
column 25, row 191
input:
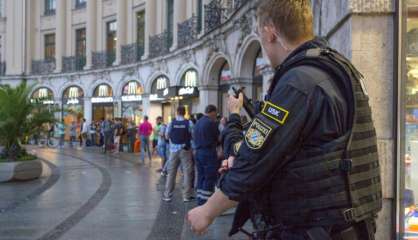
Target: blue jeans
column 163, row 153
column 145, row 148
column 207, row 173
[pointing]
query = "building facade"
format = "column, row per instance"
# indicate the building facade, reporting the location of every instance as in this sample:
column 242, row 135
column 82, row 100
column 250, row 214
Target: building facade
column 114, row 58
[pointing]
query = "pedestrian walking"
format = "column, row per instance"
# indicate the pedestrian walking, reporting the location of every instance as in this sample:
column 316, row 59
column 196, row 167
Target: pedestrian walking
column 92, row 132
column 179, row 132
column 145, row 131
column 206, row 136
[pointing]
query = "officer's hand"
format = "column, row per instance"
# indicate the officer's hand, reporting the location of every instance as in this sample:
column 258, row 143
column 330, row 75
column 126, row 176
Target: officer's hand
column 235, row 104
column 226, row 165
column 199, row 220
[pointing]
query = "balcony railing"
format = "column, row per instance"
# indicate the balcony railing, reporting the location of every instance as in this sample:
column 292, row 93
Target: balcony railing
column 49, row 12
column 80, row 5
column 160, row 44
column 45, row 66
column 214, row 14
column 73, row 63
column 103, row 59
column 187, row 32
column 132, row 53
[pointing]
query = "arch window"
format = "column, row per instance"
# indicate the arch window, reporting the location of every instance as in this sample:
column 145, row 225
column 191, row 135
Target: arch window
column 132, row 88
column 103, row 90
column 189, row 78
column 225, row 73
column 42, row 93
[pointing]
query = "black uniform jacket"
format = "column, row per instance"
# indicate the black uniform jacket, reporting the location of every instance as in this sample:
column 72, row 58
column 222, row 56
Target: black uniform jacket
column 305, row 111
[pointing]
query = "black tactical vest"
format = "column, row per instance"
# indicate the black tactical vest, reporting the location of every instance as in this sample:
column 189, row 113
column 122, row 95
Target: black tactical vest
column 341, row 184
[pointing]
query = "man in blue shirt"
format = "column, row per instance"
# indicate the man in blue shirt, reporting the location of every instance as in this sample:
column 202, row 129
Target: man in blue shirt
column 205, row 136
column 179, row 132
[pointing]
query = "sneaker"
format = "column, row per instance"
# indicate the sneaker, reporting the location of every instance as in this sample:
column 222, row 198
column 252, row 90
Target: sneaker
column 159, row 170
column 189, row 199
column 164, row 174
column 166, row 199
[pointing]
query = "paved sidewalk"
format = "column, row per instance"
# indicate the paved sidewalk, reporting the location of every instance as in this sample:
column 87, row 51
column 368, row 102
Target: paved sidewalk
column 85, row 194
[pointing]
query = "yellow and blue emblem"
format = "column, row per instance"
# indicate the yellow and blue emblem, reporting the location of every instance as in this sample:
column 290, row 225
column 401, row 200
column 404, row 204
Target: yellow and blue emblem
column 257, row 134
column 275, row 113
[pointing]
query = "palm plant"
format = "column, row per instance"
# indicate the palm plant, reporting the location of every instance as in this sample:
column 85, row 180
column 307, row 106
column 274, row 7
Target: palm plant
column 19, row 117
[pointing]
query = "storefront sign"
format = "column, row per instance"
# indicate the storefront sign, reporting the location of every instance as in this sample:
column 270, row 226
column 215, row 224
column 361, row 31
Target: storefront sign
column 72, row 101
column 154, row 97
column 131, row 98
column 102, row 100
column 188, row 92
column 45, row 102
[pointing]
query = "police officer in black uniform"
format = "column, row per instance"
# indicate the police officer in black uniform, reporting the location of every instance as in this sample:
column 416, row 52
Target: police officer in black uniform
column 307, row 166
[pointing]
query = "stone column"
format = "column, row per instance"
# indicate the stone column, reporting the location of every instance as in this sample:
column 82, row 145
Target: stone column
column 121, row 31
column 207, row 95
column 179, row 15
column 30, row 34
column 16, row 36
column 90, row 32
column 60, row 36
column 88, row 109
column 118, row 108
column 347, row 24
column 149, row 25
column 146, row 104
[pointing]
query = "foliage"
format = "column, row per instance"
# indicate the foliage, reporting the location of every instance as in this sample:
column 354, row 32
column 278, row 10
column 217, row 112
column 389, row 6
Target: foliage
column 19, row 118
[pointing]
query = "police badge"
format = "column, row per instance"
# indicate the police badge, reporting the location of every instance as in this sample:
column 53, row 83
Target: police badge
column 257, row 134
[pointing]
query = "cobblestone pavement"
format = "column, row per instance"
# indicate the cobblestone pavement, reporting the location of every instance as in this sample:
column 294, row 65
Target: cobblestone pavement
column 84, row 194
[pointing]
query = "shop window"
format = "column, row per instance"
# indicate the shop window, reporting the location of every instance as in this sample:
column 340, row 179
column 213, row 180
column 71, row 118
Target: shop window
column 189, row 79
column 140, row 28
column 160, row 83
column 103, row 90
column 111, row 38
column 42, row 93
column 225, row 73
column 2, row 8
column 409, row 136
column 80, row 4
column 50, row 46
column 170, row 21
column 132, row 88
column 73, row 92
column 50, row 7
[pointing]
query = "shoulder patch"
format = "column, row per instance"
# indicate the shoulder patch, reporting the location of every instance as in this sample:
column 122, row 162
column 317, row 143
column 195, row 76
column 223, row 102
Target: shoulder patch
column 275, row 113
column 257, row 134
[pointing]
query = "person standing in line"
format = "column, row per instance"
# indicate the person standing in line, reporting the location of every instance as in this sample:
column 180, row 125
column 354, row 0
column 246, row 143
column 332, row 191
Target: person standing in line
column 107, row 134
column 73, row 133
column 131, row 136
column 118, row 135
column 61, row 132
column 162, row 144
column 145, row 131
column 93, row 133
column 84, row 129
column 206, row 135
column 179, row 132
column 155, row 132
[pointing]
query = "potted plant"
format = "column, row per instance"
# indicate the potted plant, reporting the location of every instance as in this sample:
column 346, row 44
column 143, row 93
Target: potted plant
column 20, row 117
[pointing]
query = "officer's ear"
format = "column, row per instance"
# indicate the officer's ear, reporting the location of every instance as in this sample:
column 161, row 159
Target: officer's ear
column 269, row 33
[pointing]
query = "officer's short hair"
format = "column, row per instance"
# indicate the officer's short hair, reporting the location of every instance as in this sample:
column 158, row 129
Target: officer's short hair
column 210, row 109
column 181, row 110
column 294, row 19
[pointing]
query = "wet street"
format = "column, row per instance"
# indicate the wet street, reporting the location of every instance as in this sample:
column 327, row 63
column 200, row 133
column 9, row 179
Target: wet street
column 85, row 194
